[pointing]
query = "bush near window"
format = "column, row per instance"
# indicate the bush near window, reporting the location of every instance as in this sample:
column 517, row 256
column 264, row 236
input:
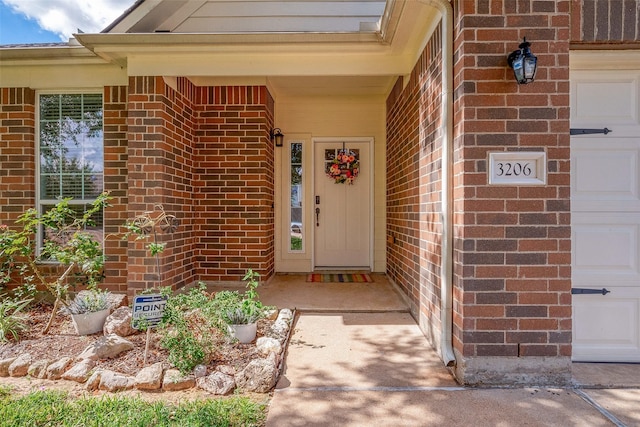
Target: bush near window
column 69, row 255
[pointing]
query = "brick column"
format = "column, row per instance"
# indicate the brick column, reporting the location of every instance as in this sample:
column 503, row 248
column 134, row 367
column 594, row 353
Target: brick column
column 160, row 161
column 116, row 183
column 512, row 314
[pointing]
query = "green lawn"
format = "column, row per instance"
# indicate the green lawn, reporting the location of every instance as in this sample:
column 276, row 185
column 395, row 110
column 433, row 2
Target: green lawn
column 51, row 408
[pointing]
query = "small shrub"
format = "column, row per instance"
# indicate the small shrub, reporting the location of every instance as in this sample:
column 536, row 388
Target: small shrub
column 12, row 320
column 77, row 253
column 187, row 331
column 237, row 309
column 89, row 302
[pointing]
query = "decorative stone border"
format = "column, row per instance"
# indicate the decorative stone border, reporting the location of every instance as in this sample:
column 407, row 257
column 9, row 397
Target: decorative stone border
column 260, row 375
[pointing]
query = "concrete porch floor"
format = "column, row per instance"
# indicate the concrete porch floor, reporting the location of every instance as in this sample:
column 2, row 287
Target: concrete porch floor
column 293, row 291
column 356, row 357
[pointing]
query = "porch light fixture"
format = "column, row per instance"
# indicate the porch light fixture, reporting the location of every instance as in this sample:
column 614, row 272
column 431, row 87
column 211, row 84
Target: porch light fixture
column 523, row 62
column 277, row 137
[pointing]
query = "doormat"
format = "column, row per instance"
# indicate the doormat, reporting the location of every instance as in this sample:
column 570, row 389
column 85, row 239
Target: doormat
column 339, row 278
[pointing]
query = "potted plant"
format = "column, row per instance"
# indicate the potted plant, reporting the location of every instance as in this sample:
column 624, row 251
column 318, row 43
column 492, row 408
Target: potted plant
column 240, row 313
column 89, row 310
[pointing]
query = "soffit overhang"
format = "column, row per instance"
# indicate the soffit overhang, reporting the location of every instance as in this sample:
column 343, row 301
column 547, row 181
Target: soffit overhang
column 379, row 55
column 392, row 48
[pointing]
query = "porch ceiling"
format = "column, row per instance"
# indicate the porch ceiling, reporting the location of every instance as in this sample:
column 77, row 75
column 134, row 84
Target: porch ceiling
column 253, row 16
column 313, row 47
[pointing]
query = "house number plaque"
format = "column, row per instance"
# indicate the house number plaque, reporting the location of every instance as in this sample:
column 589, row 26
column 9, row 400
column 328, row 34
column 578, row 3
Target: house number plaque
column 517, row 168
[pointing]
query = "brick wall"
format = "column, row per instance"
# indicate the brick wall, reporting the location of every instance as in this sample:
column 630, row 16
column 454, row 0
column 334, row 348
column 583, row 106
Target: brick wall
column 605, row 21
column 116, row 183
column 414, row 185
column 234, row 188
column 512, row 244
column 160, row 173
column 203, row 153
column 17, row 152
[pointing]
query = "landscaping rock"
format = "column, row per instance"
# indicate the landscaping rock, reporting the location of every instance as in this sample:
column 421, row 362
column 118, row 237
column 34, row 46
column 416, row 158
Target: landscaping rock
column 268, row 345
column 271, row 314
column 56, row 369
column 4, row 366
column 38, row 369
column 226, row 369
column 175, row 381
column 80, row 371
column 119, row 323
column 150, row 378
column 106, row 347
column 200, row 371
column 217, row 383
column 286, row 315
column 117, row 300
column 94, row 380
column 20, row 366
column 259, row 375
column 279, row 330
column 113, row 381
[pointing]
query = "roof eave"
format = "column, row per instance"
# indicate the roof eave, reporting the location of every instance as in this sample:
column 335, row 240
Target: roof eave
column 45, row 53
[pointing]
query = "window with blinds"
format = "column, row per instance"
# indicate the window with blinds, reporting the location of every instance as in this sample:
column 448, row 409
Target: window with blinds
column 70, row 150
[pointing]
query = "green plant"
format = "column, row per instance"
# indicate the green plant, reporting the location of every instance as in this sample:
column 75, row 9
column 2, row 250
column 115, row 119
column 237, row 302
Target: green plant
column 241, row 309
column 68, row 250
column 12, row 321
column 188, row 330
column 89, row 302
column 194, row 323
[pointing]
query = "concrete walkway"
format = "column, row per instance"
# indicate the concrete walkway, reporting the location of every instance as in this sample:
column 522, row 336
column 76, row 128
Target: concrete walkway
column 357, row 358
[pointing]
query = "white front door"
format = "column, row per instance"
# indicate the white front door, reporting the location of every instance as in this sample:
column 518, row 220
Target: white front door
column 342, row 204
column 605, row 213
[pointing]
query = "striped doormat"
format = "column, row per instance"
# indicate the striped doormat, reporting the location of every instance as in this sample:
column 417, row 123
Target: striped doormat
column 339, row 278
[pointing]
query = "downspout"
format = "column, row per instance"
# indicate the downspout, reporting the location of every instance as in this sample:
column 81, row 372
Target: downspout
column 446, row 268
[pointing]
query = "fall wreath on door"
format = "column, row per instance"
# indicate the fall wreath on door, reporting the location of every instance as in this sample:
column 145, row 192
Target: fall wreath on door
column 343, row 166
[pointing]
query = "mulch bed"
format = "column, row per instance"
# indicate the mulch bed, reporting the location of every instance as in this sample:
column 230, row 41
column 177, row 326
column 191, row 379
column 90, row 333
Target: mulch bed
column 62, row 340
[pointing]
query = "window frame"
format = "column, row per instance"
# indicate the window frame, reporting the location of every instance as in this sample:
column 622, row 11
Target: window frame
column 302, row 197
column 39, row 202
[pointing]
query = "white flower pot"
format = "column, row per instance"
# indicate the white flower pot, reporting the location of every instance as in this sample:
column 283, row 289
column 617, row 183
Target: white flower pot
column 244, row 333
column 90, row 323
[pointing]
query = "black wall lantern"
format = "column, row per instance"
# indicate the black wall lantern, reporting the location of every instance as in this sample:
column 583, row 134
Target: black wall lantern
column 523, row 62
column 277, row 137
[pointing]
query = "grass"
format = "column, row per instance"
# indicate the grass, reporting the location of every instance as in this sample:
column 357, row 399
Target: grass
column 54, row 408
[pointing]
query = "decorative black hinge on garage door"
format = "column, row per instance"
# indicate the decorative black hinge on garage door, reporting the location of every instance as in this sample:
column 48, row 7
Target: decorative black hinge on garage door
column 602, row 291
column 577, row 131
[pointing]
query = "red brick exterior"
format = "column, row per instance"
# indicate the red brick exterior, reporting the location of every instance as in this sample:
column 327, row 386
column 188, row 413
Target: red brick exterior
column 204, row 154
column 17, row 152
column 512, row 243
column 414, row 184
column 234, row 184
column 605, row 22
column 115, row 182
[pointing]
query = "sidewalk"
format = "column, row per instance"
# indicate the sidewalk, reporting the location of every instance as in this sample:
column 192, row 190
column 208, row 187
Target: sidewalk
column 376, row 369
column 355, row 364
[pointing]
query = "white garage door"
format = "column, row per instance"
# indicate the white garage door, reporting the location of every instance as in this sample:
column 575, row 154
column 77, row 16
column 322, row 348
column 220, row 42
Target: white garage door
column 605, row 204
